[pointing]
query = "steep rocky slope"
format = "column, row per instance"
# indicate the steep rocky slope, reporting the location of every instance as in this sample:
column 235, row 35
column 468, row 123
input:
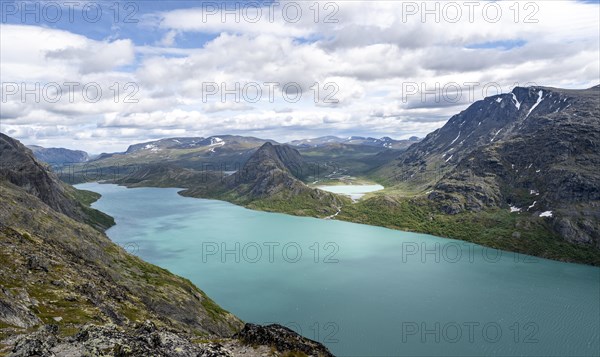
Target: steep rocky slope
column 67, row 290
column 20, row 168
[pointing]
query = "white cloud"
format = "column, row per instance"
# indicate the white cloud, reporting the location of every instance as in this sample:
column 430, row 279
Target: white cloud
column 370, row 53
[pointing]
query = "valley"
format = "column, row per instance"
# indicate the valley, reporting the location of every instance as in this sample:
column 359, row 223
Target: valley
column 481, row 184
column 299, row 178
column 482, row 169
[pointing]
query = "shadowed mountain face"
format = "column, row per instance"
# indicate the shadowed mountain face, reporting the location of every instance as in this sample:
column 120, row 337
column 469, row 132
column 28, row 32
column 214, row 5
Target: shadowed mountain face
column 58, row 156
column 536, row 150
column 19, row 167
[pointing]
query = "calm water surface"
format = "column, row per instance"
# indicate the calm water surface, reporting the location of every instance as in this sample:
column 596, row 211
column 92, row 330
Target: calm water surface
column 362, row 290
column 354, row 191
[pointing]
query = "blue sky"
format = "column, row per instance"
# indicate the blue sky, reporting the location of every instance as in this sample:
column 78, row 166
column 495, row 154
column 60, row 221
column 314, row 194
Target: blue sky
column 357, row 64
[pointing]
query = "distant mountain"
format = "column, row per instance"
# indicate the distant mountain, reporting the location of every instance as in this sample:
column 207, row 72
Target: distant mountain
column 165, row 144
column 271, row 179
column 213, row 143
column 226, row 153
column 59, row 155
column 384, row 142
column 534, row 151
column 223, row 152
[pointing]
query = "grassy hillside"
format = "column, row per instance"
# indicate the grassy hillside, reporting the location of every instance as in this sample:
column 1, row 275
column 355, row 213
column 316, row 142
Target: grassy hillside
column 67, row 273
column 496, row 228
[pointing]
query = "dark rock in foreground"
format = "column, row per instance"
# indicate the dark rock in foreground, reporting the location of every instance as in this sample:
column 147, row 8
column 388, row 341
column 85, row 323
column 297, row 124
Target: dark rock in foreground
column 281, row 338
column 146, row 339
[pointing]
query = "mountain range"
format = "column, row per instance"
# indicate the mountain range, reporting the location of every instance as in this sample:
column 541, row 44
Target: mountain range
column 516, row 171
column 384, row 142
column 271, row 179
column 353, row 155
column 525, row 163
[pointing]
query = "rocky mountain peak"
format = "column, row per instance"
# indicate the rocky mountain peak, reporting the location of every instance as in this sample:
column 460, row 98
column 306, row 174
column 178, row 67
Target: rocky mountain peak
column 493, row 119
column 269, row 158
column 532, row 150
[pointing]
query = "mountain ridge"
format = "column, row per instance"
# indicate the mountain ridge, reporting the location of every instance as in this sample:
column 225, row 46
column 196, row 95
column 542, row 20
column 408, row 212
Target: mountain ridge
column 533, row 151
column 21, row 168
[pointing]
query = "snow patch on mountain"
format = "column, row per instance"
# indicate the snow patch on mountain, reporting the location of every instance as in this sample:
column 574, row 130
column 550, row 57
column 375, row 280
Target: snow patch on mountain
column 453, row 141
column 516, row 101
column 539, row 100
column 498, row 132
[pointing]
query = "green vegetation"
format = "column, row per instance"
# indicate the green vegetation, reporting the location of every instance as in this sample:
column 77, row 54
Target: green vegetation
column 74, row 275
column 495, row 228
column 301, row 205
column 85, row 197
column 93, row 217
column 97, row 218
column 214, row 310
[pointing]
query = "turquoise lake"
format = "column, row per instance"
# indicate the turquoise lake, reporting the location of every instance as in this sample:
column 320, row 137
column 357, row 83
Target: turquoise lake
column 362, row 290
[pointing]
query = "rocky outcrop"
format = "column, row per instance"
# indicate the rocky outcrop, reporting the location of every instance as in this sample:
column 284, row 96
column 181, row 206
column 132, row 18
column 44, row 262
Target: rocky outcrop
column 282, row 339
column 271, row 169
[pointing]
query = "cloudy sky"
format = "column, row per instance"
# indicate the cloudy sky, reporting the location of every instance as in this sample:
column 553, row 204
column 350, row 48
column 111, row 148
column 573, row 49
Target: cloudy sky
column 98, row 76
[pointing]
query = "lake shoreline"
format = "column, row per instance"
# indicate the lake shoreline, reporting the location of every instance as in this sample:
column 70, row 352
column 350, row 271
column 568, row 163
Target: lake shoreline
column 361, row 248
column 454, row 229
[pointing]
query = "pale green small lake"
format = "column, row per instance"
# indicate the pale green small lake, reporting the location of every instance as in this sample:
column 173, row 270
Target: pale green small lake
column 362, row 290
column 354, row 191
